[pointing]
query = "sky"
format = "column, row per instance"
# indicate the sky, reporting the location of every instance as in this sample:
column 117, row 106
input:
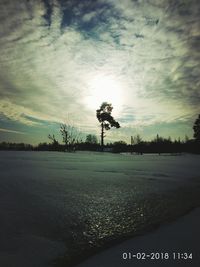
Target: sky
column 60, row 59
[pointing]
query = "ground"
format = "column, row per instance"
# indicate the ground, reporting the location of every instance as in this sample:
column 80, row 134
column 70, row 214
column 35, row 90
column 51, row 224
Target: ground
column 60, row 207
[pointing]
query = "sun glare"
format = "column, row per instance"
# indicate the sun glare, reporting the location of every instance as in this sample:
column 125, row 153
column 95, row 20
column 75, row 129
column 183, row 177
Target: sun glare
column 104, row 88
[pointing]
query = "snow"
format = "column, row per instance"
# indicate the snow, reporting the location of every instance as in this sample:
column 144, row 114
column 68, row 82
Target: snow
column 72, row 204
column 181, row 236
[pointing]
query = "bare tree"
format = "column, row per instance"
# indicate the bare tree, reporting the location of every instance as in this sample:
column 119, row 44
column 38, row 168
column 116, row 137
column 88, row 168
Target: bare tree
column 71, row 136
column 137, row 139
column 54, row 142
column 53, row 139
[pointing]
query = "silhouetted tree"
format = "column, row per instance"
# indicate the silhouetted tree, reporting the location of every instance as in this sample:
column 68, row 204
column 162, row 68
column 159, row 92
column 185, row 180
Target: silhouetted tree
column 196, row 129
column 91, row 139
column 106, row 120
column 119, row 146
column 54, row 143
column 137, row 139
column 70, row 136
column 158, row 139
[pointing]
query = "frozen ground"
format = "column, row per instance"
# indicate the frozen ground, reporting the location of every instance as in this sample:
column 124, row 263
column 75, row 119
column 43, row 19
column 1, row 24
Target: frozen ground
column 181, row 236
column 74, row 204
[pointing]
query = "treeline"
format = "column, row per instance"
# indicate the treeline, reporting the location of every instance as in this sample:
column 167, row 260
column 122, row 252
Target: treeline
column 157, row 145
column 55, row 146
column 16, row 146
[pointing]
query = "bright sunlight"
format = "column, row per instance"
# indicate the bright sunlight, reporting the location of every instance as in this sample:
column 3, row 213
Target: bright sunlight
column 103, row 88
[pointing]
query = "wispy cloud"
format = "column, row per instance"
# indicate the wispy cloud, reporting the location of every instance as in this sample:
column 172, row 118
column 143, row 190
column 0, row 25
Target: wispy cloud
column 50, row 50
column 10, row 131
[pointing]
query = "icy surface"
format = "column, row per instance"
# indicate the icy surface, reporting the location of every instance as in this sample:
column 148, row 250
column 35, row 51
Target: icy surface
column 179, row 236
column 87, row 200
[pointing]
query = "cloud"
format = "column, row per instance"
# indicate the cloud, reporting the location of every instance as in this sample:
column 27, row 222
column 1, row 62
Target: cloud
column 50, row 50
column 10, row 131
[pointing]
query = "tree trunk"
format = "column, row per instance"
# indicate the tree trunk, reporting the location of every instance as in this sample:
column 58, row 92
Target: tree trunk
column 102, row 136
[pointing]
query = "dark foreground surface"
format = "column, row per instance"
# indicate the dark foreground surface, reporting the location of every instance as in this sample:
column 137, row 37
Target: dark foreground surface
column 59, row 208
column 170, row 245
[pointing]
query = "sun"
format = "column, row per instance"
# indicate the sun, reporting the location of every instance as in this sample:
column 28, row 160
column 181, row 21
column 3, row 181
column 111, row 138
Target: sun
column 104, row 88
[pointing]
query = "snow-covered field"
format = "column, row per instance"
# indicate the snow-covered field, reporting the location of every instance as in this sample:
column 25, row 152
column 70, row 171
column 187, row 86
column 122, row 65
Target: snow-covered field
column 73, row 204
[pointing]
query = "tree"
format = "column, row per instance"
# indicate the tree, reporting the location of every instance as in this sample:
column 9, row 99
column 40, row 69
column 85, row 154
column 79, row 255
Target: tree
column 54, row 143
column 106, row 120
column 196, row 129
column 158, row 139
column 91, row 139
column 70, row 136
column 119, row 146
column 137, row 139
